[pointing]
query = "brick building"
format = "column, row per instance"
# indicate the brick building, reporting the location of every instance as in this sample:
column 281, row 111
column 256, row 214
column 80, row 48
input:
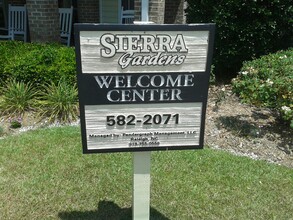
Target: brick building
column 43, row 19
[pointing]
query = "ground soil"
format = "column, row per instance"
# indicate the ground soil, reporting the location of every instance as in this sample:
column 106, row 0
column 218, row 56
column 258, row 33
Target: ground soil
column 246, row 130
column 230, row 125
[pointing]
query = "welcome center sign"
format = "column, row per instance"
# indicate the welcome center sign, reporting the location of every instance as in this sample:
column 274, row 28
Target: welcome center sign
column 143, row 87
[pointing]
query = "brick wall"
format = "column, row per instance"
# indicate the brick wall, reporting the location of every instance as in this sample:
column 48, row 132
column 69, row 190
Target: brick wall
column 88, row 11
column 174, row 12
column 43, row 19
column 137, row 10
column 156, row 11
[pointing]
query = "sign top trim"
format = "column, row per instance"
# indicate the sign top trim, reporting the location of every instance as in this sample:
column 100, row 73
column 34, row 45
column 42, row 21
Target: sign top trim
column 143, row 27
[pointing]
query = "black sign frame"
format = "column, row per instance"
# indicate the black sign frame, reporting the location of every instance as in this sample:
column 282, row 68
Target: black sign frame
column 87, row 87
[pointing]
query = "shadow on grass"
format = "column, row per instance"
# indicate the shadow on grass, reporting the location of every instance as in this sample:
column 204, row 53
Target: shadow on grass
column 107, row 210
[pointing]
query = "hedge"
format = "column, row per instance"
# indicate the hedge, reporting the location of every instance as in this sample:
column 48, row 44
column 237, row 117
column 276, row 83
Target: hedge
column 36, row 63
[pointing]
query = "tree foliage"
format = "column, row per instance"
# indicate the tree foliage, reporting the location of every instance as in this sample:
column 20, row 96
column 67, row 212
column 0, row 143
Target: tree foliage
column 245, row 29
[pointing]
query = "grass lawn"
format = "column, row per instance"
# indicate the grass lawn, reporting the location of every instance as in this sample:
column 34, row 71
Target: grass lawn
column 44, row 175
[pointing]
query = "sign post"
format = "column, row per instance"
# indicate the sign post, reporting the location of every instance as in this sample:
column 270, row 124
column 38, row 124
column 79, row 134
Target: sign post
column 143, row 88
column 141, row 185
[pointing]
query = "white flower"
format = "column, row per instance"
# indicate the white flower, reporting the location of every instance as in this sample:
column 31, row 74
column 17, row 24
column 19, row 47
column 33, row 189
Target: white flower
column 244, row 73
column 270, row 82
column 283, row 57
column 286, row 108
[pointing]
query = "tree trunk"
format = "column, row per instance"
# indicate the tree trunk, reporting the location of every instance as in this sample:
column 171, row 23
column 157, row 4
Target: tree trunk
column 43, row 18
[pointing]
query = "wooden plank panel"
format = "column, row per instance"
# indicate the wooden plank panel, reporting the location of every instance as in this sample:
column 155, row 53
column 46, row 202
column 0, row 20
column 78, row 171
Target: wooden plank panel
column 101, row 136
column 92, row 61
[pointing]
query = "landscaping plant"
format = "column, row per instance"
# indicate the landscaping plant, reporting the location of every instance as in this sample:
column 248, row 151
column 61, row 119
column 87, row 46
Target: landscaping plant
column 17, row 97
column 15, row 122
column 37, row 63
column 268, row 82
column 9, row 50
column 1, row 130
column 59, row 102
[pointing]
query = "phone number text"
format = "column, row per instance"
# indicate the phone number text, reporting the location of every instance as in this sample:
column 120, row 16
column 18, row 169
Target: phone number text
column 148, row 119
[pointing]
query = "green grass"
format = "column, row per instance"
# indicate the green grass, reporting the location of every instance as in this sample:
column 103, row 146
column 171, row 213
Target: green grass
column 44, row 175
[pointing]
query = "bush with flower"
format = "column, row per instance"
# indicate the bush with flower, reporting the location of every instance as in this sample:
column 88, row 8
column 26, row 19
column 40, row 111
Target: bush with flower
column 268, row 82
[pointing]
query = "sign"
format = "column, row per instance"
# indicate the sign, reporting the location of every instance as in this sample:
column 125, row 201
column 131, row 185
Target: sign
column 143, row 87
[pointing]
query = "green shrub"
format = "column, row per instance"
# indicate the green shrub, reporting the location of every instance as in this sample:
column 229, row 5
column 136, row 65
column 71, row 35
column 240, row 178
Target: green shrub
column 268, row 82
column 15, row 123
column 59, row 102
column 10, row 51
column 1, row 131
column 37, row 63
column 17, row 97
column 244, row 29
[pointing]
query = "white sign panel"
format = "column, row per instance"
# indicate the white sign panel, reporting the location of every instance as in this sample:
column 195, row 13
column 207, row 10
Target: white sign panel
column 142, row 125
column 147, row 51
